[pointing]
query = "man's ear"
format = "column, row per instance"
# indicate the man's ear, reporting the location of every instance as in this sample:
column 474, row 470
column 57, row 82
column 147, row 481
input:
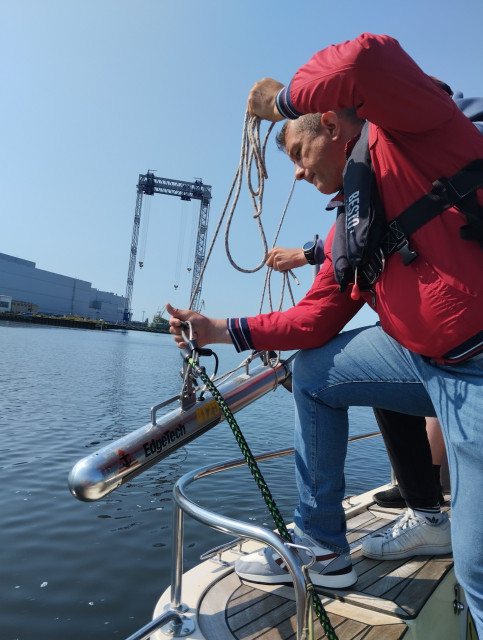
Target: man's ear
column 330, row 123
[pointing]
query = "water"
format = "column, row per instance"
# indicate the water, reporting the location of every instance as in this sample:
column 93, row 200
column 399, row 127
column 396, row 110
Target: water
column 95, row 570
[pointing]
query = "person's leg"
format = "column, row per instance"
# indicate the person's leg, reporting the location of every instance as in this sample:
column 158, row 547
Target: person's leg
column 363, row 367
column 438, row 452
column 410, row 456
column 457, row 394
column 357, row 368
column 436, row 440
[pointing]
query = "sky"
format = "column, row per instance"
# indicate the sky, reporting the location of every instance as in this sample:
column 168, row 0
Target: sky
column 96, row 92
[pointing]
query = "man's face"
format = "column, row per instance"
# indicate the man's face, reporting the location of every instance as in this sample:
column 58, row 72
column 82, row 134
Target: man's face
column 319, row 159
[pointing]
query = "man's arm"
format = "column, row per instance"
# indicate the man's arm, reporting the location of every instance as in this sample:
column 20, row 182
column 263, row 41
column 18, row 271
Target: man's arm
column 316, row 319
column 283, row 259
column 371, row 73
column 205, row 330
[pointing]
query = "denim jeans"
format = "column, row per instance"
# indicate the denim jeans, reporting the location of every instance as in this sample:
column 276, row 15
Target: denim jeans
column 365, row 367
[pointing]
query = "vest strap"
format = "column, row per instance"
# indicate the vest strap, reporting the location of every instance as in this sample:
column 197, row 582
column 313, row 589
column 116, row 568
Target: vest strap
column 446, row 193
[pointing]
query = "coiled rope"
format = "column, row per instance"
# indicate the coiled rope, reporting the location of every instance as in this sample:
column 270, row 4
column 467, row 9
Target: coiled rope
column 252, row 159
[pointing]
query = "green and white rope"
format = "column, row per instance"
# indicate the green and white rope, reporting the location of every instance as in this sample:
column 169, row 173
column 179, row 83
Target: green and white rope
column 262, row 485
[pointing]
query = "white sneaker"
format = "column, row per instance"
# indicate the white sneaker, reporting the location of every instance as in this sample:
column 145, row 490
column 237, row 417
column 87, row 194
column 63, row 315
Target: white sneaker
column 411, row 535
column 327, row 570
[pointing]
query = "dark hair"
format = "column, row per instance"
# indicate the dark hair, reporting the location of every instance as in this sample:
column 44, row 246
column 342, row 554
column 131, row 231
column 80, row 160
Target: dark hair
column 280, row 137
column 310, row 122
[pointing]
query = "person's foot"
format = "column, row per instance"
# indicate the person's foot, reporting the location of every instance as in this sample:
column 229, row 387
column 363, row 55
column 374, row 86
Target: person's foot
column 392, row 498
column 411, row 535
column 329, row 569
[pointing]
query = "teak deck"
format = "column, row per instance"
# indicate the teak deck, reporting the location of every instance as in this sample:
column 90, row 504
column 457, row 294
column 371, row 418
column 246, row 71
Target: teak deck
column 385, row 595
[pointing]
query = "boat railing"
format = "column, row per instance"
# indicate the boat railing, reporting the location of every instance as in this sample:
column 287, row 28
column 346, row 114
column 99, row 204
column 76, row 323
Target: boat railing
column 181, row 625
column 183, row 504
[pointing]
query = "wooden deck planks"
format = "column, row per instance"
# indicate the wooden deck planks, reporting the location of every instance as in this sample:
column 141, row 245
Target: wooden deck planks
column 398, row 588
column 251, row 614
column 268, row 619
column 416, row 592
column 259, row 615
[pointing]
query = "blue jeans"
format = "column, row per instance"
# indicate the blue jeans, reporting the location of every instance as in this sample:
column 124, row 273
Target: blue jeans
column 365, row 367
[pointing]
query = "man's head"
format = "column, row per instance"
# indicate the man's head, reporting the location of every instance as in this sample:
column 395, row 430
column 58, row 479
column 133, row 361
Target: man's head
column 316, row 144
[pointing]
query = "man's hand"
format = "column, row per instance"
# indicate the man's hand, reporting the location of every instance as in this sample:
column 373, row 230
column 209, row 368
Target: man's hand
column 261, row 100
column 281, row 259
column 205, row 330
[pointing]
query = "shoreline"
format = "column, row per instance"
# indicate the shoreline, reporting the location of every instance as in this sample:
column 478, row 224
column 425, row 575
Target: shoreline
column 78, row 323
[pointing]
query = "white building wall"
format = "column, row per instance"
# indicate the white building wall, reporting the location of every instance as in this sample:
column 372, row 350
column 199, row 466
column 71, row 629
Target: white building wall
column 56, row 294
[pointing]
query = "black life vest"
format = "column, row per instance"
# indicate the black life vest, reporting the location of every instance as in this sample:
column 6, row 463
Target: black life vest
column 363, row 239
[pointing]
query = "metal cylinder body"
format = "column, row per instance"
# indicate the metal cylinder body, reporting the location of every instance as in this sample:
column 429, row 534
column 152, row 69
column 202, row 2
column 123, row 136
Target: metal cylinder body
column 101, row 472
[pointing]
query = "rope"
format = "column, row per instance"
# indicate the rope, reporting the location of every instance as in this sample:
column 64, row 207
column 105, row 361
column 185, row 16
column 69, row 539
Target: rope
column 144, row 231
column 285, row 280
column 252, row 153
column 251, row 134
column 262, row 485
column 181, row 241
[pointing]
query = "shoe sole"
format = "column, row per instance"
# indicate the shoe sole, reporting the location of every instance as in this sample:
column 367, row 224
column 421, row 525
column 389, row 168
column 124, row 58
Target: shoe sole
column 428, row 550
column 340, row 581
column 400, row 504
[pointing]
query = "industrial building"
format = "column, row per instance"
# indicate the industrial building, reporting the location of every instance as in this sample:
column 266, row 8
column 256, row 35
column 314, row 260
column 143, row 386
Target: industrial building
column 55, row 294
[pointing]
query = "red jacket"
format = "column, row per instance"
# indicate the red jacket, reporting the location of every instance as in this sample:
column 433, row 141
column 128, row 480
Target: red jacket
column 417, row 134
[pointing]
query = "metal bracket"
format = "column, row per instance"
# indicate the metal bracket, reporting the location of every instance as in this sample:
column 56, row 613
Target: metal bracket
column 458, row 606
column 216, row 553
column 179, row 628
column 188, row 394
column 156, row 407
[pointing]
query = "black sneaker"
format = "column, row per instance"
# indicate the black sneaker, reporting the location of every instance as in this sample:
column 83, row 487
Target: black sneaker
column 392, row 498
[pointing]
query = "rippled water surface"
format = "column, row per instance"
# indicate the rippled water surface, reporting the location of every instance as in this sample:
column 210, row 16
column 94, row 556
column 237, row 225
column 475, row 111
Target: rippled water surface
column 79, row 570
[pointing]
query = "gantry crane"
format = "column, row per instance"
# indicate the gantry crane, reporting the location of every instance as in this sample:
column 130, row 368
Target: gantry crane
column 149, row 184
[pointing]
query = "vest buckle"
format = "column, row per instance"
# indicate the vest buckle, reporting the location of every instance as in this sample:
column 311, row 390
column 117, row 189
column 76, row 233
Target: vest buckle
column 407, row 254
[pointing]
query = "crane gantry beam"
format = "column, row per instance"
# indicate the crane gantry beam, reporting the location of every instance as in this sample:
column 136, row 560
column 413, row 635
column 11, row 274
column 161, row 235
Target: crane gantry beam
column 149, row 184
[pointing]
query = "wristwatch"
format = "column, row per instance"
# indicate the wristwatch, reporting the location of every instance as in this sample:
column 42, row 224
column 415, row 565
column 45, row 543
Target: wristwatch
column 309, row 251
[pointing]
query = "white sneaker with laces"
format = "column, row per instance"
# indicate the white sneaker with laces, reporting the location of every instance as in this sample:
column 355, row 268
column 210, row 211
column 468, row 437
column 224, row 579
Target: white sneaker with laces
column 329, row 569
column 411, row 535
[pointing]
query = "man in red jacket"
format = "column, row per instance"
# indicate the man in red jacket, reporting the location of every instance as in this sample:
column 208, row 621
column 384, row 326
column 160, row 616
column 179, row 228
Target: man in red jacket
column 425, row 356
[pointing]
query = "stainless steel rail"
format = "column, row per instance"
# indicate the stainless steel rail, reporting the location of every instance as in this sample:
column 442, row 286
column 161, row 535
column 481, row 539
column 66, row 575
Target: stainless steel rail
column 183, row 504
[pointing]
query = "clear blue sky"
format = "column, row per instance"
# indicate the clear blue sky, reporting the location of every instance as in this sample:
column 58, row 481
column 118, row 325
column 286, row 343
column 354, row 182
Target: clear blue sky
column 96, row 92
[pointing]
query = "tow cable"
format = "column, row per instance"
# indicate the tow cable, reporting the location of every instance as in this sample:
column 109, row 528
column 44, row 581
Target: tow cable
column 191, row 357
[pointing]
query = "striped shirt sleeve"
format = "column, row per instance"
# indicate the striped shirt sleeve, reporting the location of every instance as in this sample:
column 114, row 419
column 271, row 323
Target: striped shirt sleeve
column 240, row 333
column 284, row 104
